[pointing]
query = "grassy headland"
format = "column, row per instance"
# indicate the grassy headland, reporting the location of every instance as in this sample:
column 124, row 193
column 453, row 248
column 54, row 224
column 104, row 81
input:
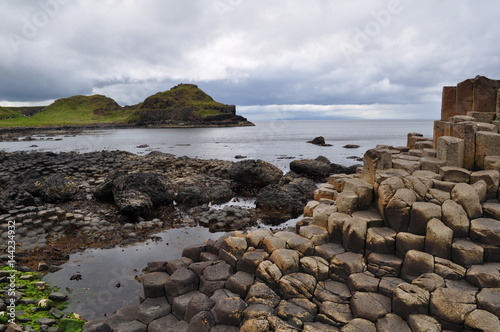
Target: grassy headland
column 184, row 104
column 76, row 110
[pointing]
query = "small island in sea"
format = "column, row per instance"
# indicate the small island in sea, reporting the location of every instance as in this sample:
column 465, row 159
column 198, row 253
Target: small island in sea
column 184, row 105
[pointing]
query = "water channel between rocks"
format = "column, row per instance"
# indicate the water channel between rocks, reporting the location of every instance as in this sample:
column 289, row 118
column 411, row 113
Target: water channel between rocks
column 108, row 276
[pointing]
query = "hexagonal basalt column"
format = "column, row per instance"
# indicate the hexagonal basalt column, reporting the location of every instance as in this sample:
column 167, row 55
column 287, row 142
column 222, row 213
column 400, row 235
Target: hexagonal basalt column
column 451, row 150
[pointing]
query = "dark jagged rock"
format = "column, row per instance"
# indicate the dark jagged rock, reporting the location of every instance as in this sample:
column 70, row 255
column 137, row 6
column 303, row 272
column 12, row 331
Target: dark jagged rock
column 136, row 193
column 323, row 159
column 275, row 199
column 57, row 188
column 156, row 186
column 298, row 187
column 313, row 169
column 340, row 169
column 252, row 175
column 104, row 191
column 196, row 194
column 192, row 195
column 320, row 140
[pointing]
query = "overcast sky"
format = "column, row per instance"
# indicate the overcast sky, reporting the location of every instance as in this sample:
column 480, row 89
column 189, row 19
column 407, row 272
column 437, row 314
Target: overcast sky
column 274, row 59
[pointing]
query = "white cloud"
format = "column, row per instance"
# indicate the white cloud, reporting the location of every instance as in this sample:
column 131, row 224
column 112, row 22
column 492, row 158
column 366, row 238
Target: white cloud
column 367, row 112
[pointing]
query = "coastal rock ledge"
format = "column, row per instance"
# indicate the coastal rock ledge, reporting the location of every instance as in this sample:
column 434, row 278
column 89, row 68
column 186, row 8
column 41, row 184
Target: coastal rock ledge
column 411, row 242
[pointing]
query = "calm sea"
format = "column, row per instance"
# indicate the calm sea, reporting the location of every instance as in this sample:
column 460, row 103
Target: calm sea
column 276, row 141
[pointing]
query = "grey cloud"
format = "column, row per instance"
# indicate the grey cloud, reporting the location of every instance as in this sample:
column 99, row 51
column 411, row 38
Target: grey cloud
column 243, row 52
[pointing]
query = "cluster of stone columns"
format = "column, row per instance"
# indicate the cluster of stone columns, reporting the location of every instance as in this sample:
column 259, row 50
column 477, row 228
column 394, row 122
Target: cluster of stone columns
column 468, row 131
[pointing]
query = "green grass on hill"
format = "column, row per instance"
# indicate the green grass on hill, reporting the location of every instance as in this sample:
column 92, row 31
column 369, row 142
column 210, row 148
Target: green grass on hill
column 183, row 96
column 183, row 102
column 7, row 113
column 76, row 110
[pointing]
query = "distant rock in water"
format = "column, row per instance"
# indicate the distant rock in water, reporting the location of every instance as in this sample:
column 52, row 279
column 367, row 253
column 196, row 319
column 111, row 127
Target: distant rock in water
column 351, row 146
column 320, row 140
column 239, row 156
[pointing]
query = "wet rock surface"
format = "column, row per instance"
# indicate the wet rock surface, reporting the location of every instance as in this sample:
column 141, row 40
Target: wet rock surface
column 64, row 202
column 376, row 251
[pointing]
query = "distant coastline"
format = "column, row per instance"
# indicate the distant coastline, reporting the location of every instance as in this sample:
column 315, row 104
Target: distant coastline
column 183, row 106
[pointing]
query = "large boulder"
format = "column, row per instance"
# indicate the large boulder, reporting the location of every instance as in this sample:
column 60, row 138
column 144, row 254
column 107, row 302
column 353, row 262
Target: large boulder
column 341, row 169
column 135, row 194
column 202, row 191
column 278, row 201
column 252, row 175
column 286, row 200
column 57, row 188
column 298, row 186
column 313, row 169
column 320, row 140
column 192, row 195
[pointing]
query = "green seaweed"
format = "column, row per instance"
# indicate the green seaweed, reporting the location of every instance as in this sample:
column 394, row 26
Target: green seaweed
column 33, row 312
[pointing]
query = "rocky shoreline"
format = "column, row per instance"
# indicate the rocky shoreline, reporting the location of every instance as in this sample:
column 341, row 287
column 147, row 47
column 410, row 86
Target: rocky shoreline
column 104, row 198
column 411, row 242
column 67, row 202
column 347, row 266
column 354, row 251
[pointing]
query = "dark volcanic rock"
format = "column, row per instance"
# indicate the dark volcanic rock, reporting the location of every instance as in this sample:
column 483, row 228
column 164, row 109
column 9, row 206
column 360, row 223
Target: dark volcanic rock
column 278, row 200
column 12, row 198
column 287, row 200
column 156, row 186
column 339, row 169
column 104, row 191
column 192, row 195
column 220, row 193
column 57, row 188
column 317, row 140
column 299, row 187
column 320, row 140
column 310, row 168
column 136, row 193
column 28, row 181
column 252, row 175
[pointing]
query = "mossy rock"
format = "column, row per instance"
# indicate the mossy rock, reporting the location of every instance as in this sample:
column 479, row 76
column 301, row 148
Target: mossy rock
column 71, row 325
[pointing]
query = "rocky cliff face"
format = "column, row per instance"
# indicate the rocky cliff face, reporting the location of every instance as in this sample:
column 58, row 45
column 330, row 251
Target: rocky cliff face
column 184, row 105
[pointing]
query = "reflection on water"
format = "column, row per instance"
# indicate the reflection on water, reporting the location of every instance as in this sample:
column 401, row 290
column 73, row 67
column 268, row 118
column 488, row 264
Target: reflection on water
column 108, row 275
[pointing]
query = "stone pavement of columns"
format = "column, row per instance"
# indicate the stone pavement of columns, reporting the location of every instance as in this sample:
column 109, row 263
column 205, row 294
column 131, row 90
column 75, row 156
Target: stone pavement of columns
column 406, row 244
